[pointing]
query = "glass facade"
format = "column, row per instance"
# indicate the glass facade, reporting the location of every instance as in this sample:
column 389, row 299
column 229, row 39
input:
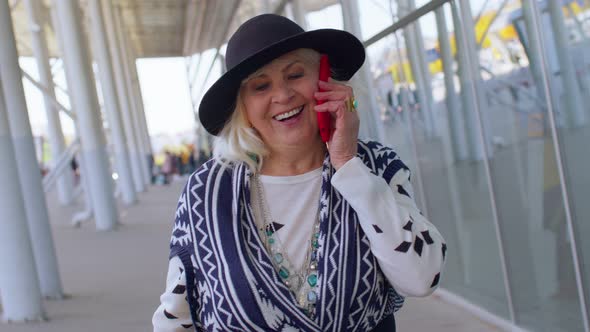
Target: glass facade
column 487, row 101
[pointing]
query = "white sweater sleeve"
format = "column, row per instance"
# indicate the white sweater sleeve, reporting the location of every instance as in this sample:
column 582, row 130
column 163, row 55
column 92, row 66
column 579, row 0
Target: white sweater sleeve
column 173, row 314
column 410, row 250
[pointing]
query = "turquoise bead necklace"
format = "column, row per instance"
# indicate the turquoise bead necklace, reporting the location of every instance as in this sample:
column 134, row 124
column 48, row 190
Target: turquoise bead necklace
column 303, row 283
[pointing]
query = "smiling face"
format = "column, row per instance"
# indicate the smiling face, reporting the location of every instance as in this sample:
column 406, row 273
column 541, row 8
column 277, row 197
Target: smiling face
column 278, row 101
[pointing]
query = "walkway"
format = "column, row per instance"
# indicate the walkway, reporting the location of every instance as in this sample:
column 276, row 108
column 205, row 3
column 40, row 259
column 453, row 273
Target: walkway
column 114, row 279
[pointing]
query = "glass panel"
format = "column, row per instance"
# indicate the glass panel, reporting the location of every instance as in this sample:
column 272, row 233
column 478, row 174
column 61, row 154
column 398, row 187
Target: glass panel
column 523, row 166
column 438, row 134
column 566, row 25
column 456, row 194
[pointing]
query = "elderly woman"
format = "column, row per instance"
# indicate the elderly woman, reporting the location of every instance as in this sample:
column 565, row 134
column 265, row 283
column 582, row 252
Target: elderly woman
column 281, row 231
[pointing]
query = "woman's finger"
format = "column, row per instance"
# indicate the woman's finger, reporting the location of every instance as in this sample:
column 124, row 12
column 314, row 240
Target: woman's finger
column 331, row 95
column 331, row 106
column 334, row 86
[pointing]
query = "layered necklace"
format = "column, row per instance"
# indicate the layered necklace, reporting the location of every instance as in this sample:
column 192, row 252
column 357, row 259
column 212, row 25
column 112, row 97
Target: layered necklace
column 303, row 282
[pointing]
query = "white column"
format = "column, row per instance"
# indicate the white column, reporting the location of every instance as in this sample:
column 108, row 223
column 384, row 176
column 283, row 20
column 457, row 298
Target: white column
column 105, row 71
column 370, row 126
column 536, row 63
column 142, row 125
column 469, row 96
column 124, row 97
column 65, row 182
column 134, row 110
column 419, row 81
column 455, row 120
column 70, row 80
column 412, row 36
column 298, row 13
column 85, row 100
column 143, row 136
column 425, row 74
column 19, row 287
column 143, row 120
column 573, row 98
column 27, row 164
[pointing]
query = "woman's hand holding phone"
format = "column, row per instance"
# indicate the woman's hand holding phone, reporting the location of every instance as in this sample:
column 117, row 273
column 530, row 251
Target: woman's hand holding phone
column 343, row 125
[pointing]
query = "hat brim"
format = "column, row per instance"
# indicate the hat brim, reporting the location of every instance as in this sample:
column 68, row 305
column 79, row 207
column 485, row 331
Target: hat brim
column 345, row 51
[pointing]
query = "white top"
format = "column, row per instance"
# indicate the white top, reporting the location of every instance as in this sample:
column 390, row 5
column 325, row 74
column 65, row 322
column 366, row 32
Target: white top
column 293, row 205
column 383, row 210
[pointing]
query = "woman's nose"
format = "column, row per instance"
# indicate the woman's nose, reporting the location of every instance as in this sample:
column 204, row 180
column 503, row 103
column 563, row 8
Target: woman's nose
column 283, row 94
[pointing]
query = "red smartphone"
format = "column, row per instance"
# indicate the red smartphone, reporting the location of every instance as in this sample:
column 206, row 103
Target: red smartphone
column 324, row 118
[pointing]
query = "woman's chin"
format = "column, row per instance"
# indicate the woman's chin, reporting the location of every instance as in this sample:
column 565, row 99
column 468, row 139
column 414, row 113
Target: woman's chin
column 300, row 140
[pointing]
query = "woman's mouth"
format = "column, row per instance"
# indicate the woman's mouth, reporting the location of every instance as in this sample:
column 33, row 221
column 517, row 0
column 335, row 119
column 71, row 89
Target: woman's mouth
column 288, row 115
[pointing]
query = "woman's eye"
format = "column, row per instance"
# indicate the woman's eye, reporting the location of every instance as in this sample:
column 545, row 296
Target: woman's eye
column 261, row 87
column 295, row 76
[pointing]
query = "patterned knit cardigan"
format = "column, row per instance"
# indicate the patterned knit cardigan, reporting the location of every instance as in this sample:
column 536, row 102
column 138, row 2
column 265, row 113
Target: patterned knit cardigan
column 231, row 282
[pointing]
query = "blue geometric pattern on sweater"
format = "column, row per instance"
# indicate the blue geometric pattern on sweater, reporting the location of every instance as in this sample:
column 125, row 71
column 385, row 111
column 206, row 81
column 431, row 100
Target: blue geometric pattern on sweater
column 231, row 282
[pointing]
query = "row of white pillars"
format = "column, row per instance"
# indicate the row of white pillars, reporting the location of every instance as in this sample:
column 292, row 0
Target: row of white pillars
column 29, row 175
column 30, row 271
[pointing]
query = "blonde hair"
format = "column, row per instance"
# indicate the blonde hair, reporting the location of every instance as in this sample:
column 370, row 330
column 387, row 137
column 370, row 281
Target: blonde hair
column 238, row 141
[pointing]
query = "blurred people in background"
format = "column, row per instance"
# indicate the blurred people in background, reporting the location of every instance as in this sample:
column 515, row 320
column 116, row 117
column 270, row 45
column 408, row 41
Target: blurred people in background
column 168, row 167
column 177, row 161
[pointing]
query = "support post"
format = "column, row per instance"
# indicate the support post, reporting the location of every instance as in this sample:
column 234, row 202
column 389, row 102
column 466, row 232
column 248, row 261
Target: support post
column 573, row 98
column 413, row 37
column 371, row 126
column 142, row 125
column 536, row 64
column 110, row 100
column 426, row 77
column 85, row 100
column 124, row 97
column 134, row 110
column 456, row 128
column 466, row 50
column 298, row 13
column 27, row 165
column 20, row 295
column 65, row 183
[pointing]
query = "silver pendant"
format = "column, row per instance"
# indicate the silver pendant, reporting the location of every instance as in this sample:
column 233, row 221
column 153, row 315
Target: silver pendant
column 295, row 282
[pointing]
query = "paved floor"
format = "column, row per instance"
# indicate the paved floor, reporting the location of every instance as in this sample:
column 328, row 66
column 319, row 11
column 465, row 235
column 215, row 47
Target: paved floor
column 114, row 279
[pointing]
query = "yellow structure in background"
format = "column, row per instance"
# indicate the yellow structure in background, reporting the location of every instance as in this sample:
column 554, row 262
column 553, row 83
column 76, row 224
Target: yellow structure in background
column 482, row 29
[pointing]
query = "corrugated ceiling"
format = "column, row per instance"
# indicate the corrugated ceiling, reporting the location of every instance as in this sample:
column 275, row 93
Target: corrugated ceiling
column 163, row 28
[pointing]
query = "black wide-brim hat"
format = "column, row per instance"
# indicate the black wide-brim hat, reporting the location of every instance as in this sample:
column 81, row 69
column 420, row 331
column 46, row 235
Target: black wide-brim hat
column 262, row 39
